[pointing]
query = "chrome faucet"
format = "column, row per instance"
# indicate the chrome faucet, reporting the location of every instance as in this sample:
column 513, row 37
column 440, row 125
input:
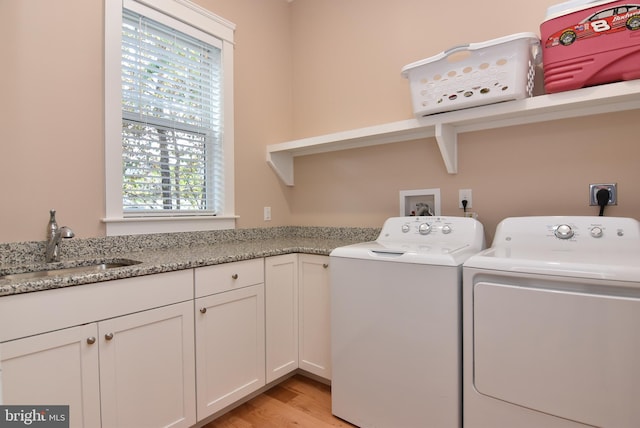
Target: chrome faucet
column 54, row 235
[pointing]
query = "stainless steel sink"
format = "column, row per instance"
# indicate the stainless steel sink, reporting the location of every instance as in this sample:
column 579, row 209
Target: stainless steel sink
column 82, row 267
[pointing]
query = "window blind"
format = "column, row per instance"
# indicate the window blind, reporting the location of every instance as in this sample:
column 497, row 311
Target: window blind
column 171, row 121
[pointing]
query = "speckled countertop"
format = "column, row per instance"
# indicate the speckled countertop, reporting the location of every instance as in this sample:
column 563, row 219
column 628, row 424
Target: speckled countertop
column 167, row 252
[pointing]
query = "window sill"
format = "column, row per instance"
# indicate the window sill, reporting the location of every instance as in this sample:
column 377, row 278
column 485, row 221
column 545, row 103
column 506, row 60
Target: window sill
column 146, row 225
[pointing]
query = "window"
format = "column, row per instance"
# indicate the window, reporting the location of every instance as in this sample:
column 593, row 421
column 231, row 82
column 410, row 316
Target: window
column 168, row 118
column 171, row 121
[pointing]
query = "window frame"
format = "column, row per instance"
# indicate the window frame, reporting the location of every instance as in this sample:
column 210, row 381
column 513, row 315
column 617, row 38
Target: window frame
column 189, row 14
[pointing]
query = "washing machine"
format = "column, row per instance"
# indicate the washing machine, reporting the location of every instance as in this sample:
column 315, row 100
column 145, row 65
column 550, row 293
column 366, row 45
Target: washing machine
column 396, row 323
column 551, row 325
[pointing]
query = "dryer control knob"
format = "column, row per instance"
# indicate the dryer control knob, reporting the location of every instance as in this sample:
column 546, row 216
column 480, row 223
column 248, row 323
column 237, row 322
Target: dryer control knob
column 446, row 229
column 406, row 228
column 596, row 232
column 564, row 231
column 424, row 228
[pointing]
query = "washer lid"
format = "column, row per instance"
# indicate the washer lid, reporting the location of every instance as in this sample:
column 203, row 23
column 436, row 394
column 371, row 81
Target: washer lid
column 445, row 241
column 438, row 255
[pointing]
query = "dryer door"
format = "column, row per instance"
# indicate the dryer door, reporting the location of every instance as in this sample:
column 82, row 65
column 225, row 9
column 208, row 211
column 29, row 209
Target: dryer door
column 564, row 353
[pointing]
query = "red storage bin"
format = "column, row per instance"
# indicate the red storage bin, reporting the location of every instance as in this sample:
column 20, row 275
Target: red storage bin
column 590, row 43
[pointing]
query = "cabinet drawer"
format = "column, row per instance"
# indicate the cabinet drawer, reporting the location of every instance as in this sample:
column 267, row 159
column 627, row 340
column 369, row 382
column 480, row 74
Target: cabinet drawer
column 27, row 314
column 228, row 276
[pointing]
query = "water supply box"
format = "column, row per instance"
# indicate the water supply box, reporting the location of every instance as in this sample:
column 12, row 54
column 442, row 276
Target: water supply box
column 587, row 43
column 474, row 74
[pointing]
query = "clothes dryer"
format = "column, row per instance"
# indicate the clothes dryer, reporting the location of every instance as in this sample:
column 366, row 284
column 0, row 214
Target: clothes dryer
column 551, row 315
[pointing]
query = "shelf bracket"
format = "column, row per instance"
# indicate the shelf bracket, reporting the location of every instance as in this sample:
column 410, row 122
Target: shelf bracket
column 282, row 164
column 447, row 138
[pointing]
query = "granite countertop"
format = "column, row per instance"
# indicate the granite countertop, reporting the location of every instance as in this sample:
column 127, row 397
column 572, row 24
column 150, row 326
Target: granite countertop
column 166, row 253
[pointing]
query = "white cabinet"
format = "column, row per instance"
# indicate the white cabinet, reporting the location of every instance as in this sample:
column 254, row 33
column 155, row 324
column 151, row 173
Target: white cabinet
column 86, row 347
column 315, row 315
column 129, row 352
column 298, row 315
column 281, row 285
column 230, row 333
column 57, row 368
column 137, row 370
column 147, row 368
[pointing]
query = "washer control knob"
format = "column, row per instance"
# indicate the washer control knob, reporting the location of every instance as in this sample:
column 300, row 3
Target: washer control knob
column 596, row 232
column 446, row 229
column 406, row 228
column 564, row 231
column 424, row 228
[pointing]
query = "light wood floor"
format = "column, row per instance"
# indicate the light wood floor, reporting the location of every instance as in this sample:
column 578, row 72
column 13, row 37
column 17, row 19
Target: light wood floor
column 297, row 402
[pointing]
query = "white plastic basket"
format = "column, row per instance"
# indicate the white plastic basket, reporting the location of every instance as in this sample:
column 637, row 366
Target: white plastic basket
column 475, row 74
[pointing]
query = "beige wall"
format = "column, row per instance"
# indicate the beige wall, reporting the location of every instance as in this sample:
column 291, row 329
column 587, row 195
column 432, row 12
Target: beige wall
column 347, row 61
column 51, row 104
column 263, row 103
column 304, row 68
column 51, row 108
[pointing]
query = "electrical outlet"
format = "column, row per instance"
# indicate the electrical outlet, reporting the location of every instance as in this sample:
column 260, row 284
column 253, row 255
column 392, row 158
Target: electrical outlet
column 464, row 194
column 267, row 213
column 613, row 193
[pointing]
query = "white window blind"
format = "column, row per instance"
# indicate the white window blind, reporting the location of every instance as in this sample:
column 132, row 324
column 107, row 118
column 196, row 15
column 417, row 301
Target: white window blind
column 171, row 121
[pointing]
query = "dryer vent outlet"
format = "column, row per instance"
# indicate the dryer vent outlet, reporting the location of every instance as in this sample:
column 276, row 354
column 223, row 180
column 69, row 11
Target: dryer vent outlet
column 613, row 193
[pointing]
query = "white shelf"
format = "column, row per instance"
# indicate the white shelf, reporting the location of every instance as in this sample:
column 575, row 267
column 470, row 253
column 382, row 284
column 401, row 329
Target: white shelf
column 445, row 127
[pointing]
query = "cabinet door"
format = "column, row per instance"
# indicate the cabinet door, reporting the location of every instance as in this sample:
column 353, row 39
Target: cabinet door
column 281, row 302
column 315, row 315
column 147, row 368
column 230, row 347
column 57, row 368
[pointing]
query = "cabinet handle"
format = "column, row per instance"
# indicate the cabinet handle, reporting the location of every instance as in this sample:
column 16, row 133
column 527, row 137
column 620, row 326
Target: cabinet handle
column 234, row 276
column 108, row 336
column 325, row 265
column 91, row 340
column 203, row 310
